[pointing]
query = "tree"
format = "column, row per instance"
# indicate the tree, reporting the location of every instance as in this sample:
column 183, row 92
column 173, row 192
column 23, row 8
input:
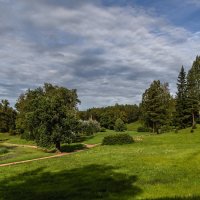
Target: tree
column 181, row 115
column 48, row 115
column 120, row 125
column 193, row 91
column 155, row 106
column 7, row 117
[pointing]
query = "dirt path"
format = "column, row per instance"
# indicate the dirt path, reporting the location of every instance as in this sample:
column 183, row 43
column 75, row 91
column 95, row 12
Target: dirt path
column 21, row 145
column 88, row 146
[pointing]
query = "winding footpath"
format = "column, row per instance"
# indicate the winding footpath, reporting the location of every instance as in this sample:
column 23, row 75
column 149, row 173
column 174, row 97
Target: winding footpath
column 88, row 146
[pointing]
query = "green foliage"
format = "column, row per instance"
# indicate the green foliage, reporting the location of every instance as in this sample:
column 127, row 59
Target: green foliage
column 89, row 127
column 48, row 115
column 3, row 150
column 121, row 138
column 120, row 125
column 155, row 106
column 108, row 115
column 193, row 91
column 182, row 113
column 7, row 117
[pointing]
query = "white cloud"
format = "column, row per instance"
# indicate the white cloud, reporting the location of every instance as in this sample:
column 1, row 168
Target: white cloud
column 110, row 54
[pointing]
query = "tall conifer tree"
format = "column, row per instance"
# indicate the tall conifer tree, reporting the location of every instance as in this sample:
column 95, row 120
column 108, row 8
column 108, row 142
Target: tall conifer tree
column 181, row 100
column 193, row 91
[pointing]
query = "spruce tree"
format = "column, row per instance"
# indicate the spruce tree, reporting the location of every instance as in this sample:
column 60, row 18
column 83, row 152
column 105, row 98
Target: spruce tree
column 181, row 115
column 192, row 97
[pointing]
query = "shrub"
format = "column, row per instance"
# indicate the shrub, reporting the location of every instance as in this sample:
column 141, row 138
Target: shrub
column 117, row 139
column 89, row 127
column 3, row 150
column 142, row 129
column 119, row 125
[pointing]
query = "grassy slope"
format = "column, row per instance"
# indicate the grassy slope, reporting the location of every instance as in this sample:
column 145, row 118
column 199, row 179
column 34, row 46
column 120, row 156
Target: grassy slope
column 131, row 130
column 14, row 139
column 161, row 166
column 16, row 153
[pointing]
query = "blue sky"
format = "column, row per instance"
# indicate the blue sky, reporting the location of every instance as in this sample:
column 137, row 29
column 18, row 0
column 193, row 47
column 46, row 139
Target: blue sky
column 109, row 50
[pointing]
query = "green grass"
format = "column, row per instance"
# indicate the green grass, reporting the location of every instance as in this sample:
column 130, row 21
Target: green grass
column 15, row 153
column 165, row 166
column 6, row 137
column 133, row 126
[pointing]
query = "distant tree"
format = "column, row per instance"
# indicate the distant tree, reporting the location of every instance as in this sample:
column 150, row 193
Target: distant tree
column 120, row 125
column 107, row 116
column 48, row 115
column 182, row 112
column 7, row 117
column 155, row 106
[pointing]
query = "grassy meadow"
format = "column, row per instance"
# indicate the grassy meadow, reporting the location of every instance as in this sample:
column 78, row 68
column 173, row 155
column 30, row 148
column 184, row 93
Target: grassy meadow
column 165, row 166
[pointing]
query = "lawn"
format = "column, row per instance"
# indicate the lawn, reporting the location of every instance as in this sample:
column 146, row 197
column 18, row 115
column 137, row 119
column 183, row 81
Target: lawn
column 164, row 166
column 11, row 153
column 14, row 139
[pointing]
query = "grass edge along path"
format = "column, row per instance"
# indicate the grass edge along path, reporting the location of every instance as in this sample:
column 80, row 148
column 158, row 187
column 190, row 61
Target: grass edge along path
column 88, row 146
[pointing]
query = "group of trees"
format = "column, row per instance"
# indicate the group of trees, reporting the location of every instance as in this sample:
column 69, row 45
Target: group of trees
column 49, row 114
column 107, row 116
column 160, row 110
column 188, row 96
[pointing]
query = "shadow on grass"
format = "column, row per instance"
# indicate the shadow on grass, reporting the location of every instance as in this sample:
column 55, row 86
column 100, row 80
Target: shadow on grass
column 178, row 198
column 72, row 147
column 89, row 182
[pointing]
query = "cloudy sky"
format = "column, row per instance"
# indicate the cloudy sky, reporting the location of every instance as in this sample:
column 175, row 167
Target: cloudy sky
column 109, row 50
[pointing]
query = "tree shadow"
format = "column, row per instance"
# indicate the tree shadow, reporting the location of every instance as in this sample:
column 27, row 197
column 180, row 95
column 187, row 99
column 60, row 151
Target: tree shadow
column 72, row 147
column 89, row 182
column 177, row 198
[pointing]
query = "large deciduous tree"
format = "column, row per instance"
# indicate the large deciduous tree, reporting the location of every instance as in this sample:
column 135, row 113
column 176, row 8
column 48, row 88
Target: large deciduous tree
column 48, row 115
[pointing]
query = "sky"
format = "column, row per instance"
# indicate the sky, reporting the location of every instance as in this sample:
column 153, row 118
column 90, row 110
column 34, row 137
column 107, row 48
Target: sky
column 109, row 50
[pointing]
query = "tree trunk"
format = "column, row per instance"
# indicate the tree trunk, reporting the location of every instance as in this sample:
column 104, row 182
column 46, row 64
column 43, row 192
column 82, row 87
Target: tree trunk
column 153, row 127
column 58, row 146
column 193, row 120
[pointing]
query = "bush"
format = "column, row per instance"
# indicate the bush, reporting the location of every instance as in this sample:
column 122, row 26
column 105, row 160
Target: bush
column 3, row 150
column 117, row 139
column 142, row 129
column 119, row 125
column 89, row 127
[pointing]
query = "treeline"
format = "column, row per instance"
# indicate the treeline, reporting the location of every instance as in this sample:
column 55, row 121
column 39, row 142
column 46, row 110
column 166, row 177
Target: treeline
column 160, row 111
column 49, row 114
column 108, row 116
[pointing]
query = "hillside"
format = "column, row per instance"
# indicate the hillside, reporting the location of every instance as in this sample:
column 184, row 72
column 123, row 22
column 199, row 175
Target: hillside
column 156, row 166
